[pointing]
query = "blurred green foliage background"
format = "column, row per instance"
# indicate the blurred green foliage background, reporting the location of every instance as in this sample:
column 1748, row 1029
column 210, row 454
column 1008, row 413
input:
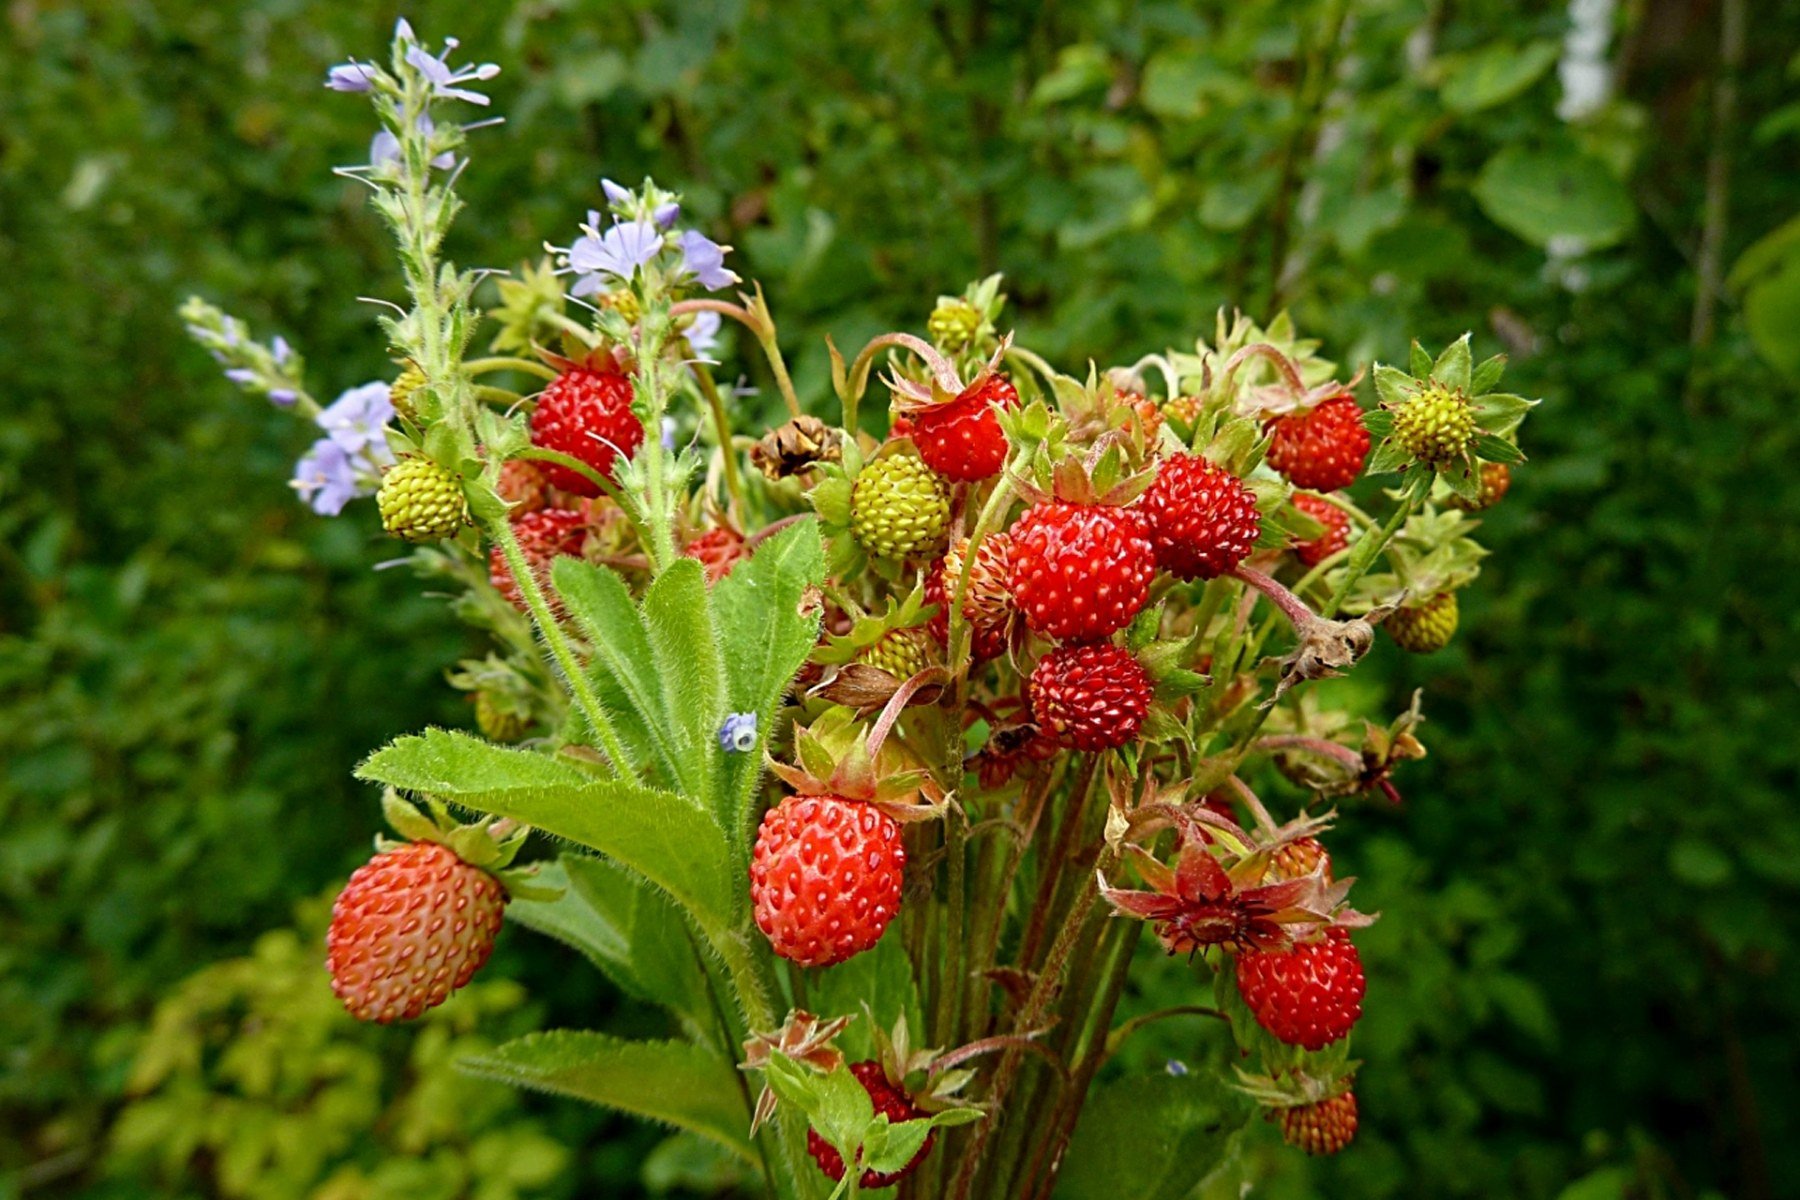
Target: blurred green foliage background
column 1586, row 982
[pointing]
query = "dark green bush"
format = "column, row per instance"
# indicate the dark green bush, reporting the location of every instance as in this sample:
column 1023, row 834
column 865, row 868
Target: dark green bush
column 1588, row 958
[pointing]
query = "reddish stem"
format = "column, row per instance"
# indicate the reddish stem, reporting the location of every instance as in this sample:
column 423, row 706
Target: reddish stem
column 1290, row 605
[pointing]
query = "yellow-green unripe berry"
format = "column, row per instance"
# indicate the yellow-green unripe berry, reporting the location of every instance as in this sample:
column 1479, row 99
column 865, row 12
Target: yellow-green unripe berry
column 899, row 507
column 1425, row 628
column 623, row 301
column 1435, row 426
column 400, row 392
column 421, row 501
column 496, row 722
column 902, row 653
column 954, row 324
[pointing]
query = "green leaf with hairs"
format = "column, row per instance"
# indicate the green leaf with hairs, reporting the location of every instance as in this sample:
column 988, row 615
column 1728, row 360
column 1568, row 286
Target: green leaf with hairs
column 673, row 1083
column 668, row 839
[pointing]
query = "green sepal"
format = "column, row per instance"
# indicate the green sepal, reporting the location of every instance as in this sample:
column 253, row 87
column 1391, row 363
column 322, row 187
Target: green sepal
column 1452, row 366
column 1487, row 375
column 1490, row 448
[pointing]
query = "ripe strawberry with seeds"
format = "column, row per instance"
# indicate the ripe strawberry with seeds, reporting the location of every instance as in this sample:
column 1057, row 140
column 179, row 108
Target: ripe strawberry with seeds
column 1309, row 995
column 1201, row 518
column 543, row 536
column 961, row 439
column 1322, row 446
column 825, row 877
column 1322, row 1127
column 987, row 605
column 1337, row 529
column 890, row 1101
column 719, row 549
column 1090, row 697
column 1079, row 572
column 411, row 926
column 586, row 414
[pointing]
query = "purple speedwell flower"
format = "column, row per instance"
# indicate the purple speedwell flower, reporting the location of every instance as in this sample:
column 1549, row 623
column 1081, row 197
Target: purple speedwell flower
column 281, row 351
column 242, row 376
column 350, row 77
column 704, row 259
column 615, row 193
column 326, row 479
column 444, row 79
column 283, row 397
column 357, row 419
column 666, row 216
column 618, row 252
column 385, row 148
column 738, row 734
column 703, row 334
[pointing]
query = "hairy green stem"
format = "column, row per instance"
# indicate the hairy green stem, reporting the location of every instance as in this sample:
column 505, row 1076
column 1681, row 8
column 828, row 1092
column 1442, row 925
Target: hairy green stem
column 1373, row 542
column 573, row 676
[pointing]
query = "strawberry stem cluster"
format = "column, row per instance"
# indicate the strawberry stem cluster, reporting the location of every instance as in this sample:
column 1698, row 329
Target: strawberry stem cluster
column 1033, row 642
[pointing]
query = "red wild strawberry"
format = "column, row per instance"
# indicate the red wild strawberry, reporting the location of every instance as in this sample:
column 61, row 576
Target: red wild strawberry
column 825, row 877
column 986, row 602
column 891, row 1102
column 1322, row 447
column 523, row 486
column 586, row 415
column 543, row 535
column 1337, row 529
column 1324, row 1127
column 718, row 550
column 1309, row 995
column 1080, row 572
column 961, row 439
column 413, row 925
column 1091, row 697
column 1202, row 519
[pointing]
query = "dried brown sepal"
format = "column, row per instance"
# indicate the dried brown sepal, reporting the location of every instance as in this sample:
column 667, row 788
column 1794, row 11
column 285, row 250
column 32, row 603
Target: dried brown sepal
column 796, row 447
column 803, row 1038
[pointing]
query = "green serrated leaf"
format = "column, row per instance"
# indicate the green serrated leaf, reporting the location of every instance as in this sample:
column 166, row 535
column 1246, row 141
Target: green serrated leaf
column 668, row 839
column 766, row 638
column 881, row 978
column 1452, row 366
column 686, row 661
column 601, row 607
column 631, row 932
column 1145, row 1136
column 675, row 1083
column 1487, row 375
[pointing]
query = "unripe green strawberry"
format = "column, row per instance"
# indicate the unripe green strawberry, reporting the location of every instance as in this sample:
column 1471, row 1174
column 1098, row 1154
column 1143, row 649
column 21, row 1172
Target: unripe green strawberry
column 1435, row 426
column 623, row 301
column 1496, row 478
column 1425, row 628
column 1324, row 1127
column 899, row 507
column 400, row 392
column 497, row 721
column 413, row 925
column 954, row 324
column 421, row 501
column 902, row 653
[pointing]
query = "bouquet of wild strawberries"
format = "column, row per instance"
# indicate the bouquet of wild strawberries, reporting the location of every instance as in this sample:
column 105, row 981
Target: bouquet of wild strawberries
column 874, row 759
